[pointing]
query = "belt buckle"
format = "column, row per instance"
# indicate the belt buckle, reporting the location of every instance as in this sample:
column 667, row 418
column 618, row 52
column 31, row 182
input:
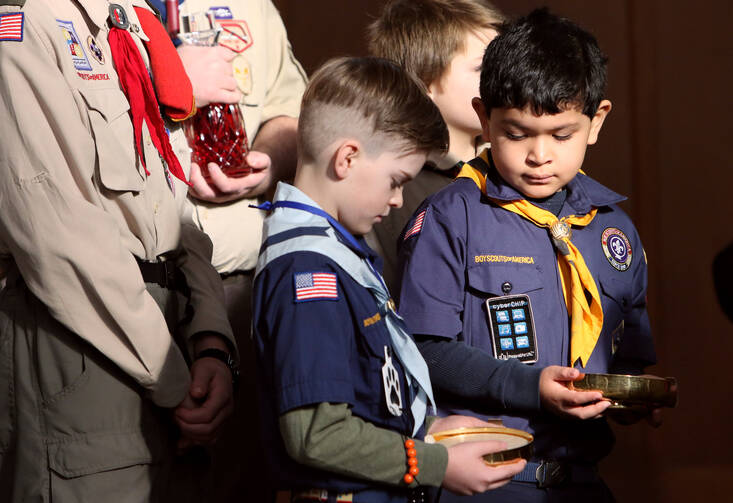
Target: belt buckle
column 551, row 473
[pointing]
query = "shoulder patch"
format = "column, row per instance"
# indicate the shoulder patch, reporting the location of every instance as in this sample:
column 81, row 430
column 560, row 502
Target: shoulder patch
column 315, row 286
column 617, row 248
column 416, row 226
column 11, row 27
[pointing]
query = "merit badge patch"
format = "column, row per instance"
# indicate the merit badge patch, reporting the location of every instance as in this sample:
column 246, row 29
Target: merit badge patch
column 242, row 74
column 512, row 328
column 94, row 50
column 416, row 226
column 11, row 27
column 315, row 286
column 235, row 35
column 617, row 248
column 78, row 56
column 221, row 12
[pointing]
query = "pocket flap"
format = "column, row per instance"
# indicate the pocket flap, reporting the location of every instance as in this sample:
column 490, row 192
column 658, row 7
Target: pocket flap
column 111, row 103
column 99, row 453
column 489, row 279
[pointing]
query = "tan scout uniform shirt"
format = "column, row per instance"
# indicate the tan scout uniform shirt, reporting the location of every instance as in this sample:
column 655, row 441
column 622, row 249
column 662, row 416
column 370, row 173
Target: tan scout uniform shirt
column 272, row 83
column 76, row 204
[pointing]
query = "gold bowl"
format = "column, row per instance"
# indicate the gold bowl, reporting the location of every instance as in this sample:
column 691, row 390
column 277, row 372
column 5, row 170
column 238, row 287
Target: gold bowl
column 519, row 443
column 626, row 391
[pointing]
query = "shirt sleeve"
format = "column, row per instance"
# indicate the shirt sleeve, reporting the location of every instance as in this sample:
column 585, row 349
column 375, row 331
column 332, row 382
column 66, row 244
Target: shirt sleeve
column 286, row 79
column 70, row 251
column 328, row 437
column 308, row 343
column 432, row 265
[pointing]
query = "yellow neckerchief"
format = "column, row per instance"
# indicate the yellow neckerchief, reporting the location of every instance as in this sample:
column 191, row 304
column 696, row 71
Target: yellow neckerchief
column 586, row 321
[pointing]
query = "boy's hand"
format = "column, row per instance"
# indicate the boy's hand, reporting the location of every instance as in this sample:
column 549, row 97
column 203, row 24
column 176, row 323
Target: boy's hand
column 224, row 188
column 557, row 398
column 467, row 472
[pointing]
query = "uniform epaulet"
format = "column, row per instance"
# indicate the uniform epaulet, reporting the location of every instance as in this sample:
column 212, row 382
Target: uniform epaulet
column 19, row 3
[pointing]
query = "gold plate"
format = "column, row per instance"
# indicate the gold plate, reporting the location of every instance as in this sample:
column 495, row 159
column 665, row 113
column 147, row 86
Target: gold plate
column 631, row 392
column 519, row 443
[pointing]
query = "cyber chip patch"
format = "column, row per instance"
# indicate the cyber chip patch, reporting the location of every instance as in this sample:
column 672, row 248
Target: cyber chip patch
column 315, row 286
column 11, row 27
column 617, row 248
column 78, row 56
column 512, row 328
column 416, row 226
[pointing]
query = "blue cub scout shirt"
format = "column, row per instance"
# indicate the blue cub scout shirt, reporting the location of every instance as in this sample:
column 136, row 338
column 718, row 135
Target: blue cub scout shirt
column 468, row 250
column 320, row 350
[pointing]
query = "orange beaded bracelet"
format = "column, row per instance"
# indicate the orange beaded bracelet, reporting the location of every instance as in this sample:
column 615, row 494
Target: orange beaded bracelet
column 412, row 469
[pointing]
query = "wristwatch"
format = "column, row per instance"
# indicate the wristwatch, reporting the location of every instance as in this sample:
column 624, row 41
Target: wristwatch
column 226, row 359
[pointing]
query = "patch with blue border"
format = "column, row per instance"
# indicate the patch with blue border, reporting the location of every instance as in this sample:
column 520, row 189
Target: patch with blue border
column 11, row 27
column 78, row 56
column 617, row 248
column 318, row 285
column 221, row 12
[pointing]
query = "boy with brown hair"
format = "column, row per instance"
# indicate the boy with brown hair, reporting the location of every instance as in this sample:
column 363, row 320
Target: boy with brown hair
column 442, row 43
column 343, row 386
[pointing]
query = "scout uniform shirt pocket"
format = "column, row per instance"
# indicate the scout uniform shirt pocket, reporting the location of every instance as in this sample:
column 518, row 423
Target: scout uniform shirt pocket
column 112, row 129
column 499, row 318
column 616, row 302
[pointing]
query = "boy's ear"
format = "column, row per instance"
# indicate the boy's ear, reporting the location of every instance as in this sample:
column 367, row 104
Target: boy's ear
column 483, row 117
column 604, row 108
column 346, row 157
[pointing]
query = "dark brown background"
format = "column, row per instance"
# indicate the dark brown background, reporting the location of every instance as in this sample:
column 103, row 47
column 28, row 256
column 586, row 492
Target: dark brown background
column 667, row 145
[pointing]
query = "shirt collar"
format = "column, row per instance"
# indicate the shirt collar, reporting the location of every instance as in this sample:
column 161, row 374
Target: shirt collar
column 584, row 193
column 98, row 13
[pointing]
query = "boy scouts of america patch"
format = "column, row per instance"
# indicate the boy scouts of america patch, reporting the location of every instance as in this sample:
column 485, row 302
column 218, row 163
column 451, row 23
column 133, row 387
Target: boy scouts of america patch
column 11, row 27
column 416, row 226
column 617, row 248
column 315, row 286
column 78, row 56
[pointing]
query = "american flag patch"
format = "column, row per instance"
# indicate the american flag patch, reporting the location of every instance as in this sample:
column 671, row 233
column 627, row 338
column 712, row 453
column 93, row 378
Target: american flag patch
column 315, row 286
column 416, row 226
column 11, row 27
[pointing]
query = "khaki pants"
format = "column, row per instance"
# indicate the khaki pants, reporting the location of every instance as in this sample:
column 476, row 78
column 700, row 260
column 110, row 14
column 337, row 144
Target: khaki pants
column 73, row 427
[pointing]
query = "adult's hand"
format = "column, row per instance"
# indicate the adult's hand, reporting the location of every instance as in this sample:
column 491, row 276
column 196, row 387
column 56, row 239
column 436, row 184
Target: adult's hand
column 224, row 188
column 211, row 74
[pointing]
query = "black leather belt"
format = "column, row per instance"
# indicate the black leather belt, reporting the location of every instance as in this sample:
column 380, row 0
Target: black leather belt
column 557, row 473
column 164, row 273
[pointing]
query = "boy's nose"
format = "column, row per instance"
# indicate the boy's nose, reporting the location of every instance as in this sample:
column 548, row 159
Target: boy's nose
column 396, row 199
column 539, row 152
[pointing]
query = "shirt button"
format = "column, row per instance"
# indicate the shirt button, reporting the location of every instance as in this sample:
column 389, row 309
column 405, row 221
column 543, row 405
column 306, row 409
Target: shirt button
column 506, row 287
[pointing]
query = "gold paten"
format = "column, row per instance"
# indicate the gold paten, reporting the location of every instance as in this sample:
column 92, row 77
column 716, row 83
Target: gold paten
column 519, row 442
column 626, row 391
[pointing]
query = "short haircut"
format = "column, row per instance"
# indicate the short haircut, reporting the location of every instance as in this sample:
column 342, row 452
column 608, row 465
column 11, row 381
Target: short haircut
column 545, row 62
column 423, row 36
column 370, row 99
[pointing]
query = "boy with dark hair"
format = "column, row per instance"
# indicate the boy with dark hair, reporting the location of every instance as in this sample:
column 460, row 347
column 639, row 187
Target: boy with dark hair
column 535, row 261
column 442, row 43
column 343, row 385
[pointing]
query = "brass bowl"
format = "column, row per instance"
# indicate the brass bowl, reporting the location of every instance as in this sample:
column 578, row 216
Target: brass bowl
column 626, row 391
column 519, row 443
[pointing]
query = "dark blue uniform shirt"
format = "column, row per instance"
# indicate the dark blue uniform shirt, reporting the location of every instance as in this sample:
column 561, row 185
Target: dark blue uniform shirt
column 468, row 248
column 324, row 350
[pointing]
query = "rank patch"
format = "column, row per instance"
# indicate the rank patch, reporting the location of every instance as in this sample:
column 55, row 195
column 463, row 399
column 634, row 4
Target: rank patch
column 235, row 35
column 11, row 27
column 416, row 226
column 94, row 49
column 315, row 286
column 617, row 248
column 78, row 56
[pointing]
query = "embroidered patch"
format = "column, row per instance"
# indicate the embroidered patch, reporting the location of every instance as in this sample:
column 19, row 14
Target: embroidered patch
column 94, row 49
column 221, row 12
column 372, row 320
column 93, row 76
column 11, row 27
column 480, row 259
column 235, row 35
column 416, row 226
column 78, row 56
column 315, row 286
column 617, row 248
column 242, row 72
